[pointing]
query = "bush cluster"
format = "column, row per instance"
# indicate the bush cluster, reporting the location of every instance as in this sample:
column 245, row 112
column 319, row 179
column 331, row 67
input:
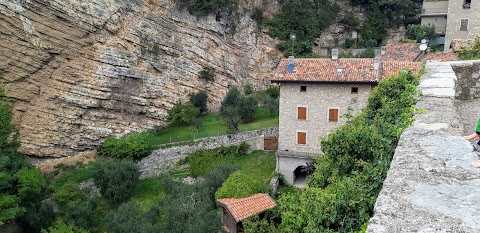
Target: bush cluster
column 239, row 185
column 237, row 108
column 418, row 32
column 116, row 179
column 123, row 148
column 472, row 53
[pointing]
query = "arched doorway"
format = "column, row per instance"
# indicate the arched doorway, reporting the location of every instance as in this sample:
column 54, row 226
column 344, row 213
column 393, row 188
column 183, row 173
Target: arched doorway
column 299, row 176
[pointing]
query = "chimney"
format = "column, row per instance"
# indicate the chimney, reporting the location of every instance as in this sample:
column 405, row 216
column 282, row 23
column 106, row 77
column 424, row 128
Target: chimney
column 376, row 64
column 383, row 50
column 334, row 54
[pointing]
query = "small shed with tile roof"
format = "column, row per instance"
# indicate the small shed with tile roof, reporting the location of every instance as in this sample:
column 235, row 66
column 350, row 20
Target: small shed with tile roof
column 237, row 209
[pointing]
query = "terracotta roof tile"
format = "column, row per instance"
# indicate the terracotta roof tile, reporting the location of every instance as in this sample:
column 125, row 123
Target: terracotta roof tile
column 242, row 208
column 327, row 70
column 354, row 70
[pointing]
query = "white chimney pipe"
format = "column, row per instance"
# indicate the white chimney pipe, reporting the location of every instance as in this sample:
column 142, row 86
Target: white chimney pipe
column 376, row 64
column 334, row 54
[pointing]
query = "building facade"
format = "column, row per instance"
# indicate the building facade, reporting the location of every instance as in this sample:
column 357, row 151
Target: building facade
column 317, row 97
column 463, row 20
column 453, row 19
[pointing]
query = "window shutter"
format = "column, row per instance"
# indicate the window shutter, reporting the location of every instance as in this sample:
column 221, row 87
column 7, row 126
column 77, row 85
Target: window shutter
column 302, row 138
column 302, row 113
column 333, row 115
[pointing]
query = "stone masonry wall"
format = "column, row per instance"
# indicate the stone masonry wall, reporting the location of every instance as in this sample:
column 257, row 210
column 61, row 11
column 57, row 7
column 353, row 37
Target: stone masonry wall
column 431, row 186
column 318, row 99
column 163, row 160
column 468, row 83
column 456, row 13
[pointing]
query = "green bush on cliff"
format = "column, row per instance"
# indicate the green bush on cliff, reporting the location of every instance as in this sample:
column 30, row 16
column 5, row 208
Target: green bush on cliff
column 471, row 53
column 123, row 148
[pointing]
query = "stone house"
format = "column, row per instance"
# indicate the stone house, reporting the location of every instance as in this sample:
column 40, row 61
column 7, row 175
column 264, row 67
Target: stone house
column 316, row 97
column 453, row 19
column 234, row 210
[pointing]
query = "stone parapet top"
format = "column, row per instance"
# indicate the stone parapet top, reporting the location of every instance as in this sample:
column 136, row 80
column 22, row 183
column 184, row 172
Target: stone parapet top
column 431, row 186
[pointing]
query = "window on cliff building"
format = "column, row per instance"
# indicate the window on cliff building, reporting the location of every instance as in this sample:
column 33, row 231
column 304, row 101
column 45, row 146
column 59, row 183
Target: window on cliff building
column 354, row 90
column 333, row 115
column 466, row 4
column 463, row 24
column 301, row 137
column 302, row 113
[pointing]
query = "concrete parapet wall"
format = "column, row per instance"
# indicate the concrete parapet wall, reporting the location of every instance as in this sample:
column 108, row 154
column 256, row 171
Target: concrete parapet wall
column 163, row 160
column 431, row 186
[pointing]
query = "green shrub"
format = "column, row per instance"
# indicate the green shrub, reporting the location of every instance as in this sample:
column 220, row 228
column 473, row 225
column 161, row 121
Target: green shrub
column 273, row 92
column 206, row 7
column 199, row 100
column 418, row 32
column 207, row 74
column 237, row 108
column 61, row 227
column 9, row 208
column 30, row 183
column 129, row 218
column 248, row 89
column 116, row 179
column 472, row 53
column 123, row 148
column 83, row 214
column 371, row 43
column 350, row 43
column 69, row 193
column 182, row 113
column 241, row 185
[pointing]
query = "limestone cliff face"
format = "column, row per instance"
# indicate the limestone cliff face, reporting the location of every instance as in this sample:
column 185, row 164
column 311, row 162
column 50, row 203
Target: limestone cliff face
column 83, row 70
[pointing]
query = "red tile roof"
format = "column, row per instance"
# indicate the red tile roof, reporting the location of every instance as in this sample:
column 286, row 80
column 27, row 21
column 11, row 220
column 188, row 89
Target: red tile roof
column 242, row 208
column 401, row 52
column 355, row 70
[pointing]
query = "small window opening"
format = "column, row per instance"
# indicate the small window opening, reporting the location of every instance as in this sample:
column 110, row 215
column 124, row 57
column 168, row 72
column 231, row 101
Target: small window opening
column 354, row 90
column 466, row 4
column 303, row 88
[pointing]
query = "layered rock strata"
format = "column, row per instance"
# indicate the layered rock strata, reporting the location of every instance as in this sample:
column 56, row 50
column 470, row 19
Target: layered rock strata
column 80, row 71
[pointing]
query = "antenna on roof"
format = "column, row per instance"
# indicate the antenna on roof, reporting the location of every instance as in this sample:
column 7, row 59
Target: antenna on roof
column 291, row 64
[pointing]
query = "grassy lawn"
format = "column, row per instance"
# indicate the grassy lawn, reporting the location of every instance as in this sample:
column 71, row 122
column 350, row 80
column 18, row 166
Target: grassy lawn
column 212, row 125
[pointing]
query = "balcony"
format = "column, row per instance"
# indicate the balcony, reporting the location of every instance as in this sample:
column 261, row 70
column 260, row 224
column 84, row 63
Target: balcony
column 434, row 11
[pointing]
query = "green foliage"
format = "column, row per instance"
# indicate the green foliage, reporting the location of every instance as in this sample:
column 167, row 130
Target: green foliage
column 30, row 183
column 374, row 28
column 351, row 21
column 205, row 7
column 304, row 18
column 61, row 227
column 262, row 223
column 470, row 53
column 237, row 108
column 69, row 193
column 116, row 179
column 343, row 189
column 200, row 160
column 248, row 89
column 199, row 100
column 182, row 113
column 9, row 208
column 82, row 214
column 207, row 74
column 129, row 218
column 124, row 148
column 191, row 208
column 240, row 185
column 273, row 92
column 419, row 32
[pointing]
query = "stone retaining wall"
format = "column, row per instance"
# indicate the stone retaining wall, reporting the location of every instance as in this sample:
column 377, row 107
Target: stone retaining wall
column 431, row 186
column 163, row 160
